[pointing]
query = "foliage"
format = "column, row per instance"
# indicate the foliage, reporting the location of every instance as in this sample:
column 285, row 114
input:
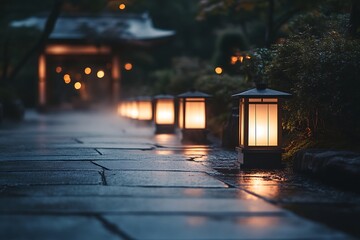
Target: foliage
column 320, row 69
column 221, row 88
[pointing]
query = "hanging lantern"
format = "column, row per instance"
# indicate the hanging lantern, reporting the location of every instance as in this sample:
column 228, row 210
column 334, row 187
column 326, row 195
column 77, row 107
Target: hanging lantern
column 260, row 127
column 192, row 116
column 164, row 110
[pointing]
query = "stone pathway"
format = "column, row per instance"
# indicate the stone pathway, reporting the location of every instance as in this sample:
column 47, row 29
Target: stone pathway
column 92, row 175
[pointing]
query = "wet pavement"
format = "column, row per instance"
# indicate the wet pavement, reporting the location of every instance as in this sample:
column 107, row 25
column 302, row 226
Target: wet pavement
column 93, row 175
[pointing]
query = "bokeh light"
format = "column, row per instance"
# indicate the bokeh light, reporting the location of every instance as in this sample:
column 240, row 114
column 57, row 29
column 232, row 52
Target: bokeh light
column 122, row 6
column 218, row 70
column 100, row 74
column 128, row 66
column 87, row 70
column 77, row 85
column 67, row 78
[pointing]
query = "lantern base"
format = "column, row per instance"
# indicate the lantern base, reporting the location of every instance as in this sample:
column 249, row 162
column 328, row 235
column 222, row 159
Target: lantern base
column 194, row 136
column 164, row 128
column 259, row 158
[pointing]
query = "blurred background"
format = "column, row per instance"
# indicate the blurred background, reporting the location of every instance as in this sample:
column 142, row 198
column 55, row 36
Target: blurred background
column 308, row 48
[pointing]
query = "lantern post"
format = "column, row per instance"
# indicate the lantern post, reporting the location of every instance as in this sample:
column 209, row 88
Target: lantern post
column 260, row 127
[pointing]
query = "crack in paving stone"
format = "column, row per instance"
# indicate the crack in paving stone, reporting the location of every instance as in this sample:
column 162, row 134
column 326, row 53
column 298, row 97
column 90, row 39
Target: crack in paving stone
column 78, row 141
column 103, row 177
column 98, row 151
column 102, row 167
column 113, row 228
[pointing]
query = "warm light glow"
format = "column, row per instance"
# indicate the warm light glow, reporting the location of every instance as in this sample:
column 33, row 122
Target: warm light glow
column 145, row 110
column 234, row 59
column 194, row 113
column 134, row 111
column 218, row 70
column 58, row 69
column 128, row 66
column 248, row 57
column 67, row 78
column 241, row 58
column 100, row 74
column 42, row 79
column 263, row 124
column 67, row 49
column 87, row 70
column 77, row 85
column 122, row 6
column 165, row 111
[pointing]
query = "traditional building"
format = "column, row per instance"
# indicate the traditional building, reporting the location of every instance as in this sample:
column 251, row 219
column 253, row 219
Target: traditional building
column 82, row 59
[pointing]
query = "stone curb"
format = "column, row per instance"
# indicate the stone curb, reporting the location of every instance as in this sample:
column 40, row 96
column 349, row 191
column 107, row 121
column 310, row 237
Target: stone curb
column 341, row 168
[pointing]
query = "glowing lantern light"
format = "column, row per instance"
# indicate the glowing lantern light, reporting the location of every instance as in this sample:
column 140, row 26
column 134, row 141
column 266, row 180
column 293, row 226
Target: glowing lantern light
column 192, row 116
column 128, row 66
column 122, row 6
column 218, row 70
column 100, row 74
column 77, row 85
column 260, row 127
column 145, row 111
column 67, row 78
column 133, row 111
column 58, row 69
column 87, row 70
column 164, row 114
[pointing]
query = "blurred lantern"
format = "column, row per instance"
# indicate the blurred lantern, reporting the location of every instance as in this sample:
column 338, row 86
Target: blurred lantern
column 133, row 109
column 260, row 127
column 164, row 118
column 145, row 111
column 192, row 116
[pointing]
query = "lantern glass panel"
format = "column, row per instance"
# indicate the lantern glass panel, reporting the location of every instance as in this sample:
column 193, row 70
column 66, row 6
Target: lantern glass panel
column 241, row 124
column 134, row 112
column 263, row 124
column 195, row 113
column 165, row 111
column 181, row 114
column 145, row 110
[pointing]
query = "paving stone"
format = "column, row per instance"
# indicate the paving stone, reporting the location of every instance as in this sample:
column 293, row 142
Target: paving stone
column 52, row 227
column 221, row 227
column 101, row 190
column 162, row 179
column 114, row 140
column 123, row 154
column 50, row 177
column 17, row 166
column 9, row 152
column 153, row 165
column 77, row 205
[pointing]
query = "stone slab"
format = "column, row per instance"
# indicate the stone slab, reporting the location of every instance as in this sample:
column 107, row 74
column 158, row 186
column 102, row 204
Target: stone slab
column 120, row 191
column 50, row 178
column 222, row 227
column 53, row 227
column 162, row 179
column 95, row 204
column 13, row 152
column 153, row 165
column 17, row 166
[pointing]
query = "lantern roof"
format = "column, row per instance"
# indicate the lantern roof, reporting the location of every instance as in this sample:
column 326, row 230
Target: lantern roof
column 164, row 96
column 193, row 94
column 144, row 98
column 261, row 91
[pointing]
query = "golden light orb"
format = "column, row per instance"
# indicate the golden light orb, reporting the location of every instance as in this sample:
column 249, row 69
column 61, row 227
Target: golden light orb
column 122, row 6
column 100, row 74
column 67, row 78
column 87, row 70
column 58, row 69
column 218, row 70
column 77, row 85
column 128, row 66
